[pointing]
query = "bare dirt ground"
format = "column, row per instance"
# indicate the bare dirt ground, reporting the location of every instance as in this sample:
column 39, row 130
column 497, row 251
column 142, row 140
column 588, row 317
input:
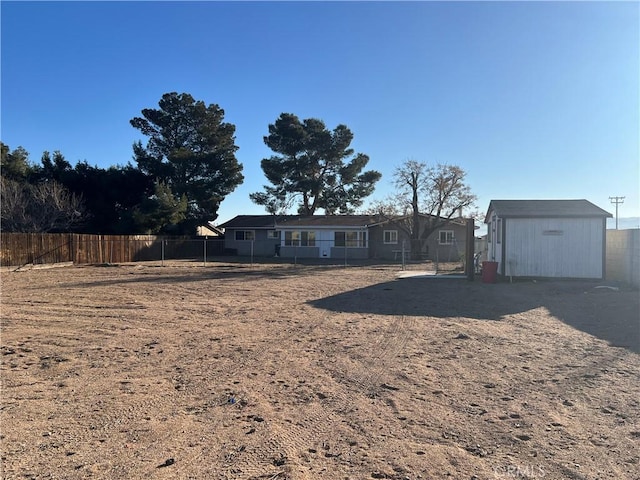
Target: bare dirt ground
column 235, row 371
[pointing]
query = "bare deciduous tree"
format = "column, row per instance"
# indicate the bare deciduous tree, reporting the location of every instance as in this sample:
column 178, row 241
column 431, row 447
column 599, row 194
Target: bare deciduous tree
column 42, row 207
column 427, row 199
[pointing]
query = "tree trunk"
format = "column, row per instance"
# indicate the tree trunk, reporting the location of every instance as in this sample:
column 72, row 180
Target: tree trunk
column 416, row 248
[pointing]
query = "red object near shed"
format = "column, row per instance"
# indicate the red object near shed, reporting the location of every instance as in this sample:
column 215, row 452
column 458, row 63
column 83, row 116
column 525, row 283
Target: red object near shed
column 489, row 272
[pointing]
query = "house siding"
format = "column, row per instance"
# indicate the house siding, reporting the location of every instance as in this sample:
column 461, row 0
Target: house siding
column 262, row 246
column 552, row 247
column 325, row 228
column 387, row 251
column 447, row 253
column 299, row 252
column 432, row 249
column 354, row 253
column 324, row 244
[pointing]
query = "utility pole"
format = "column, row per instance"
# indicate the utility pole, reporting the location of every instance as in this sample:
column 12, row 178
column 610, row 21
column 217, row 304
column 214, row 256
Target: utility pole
column 617, row 201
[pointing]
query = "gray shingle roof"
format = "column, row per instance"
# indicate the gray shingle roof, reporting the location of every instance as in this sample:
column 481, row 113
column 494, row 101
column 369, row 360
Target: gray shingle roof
column 545, row 208
column 292, row 221
column 327, row 221
column 250, row 221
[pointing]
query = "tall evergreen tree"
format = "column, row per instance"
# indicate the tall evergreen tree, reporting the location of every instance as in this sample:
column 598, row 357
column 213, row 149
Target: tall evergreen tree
column 15, row 164
column 191, row 151
column 160, row 211
column 315, row 169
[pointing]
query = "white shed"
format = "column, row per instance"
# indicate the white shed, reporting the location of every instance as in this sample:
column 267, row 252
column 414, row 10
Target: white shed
column 547, row 238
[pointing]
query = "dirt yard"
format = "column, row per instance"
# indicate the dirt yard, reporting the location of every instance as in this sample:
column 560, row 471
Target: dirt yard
column 232, row 371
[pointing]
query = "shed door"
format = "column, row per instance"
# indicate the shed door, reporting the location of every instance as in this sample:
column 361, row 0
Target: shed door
column 492, row 235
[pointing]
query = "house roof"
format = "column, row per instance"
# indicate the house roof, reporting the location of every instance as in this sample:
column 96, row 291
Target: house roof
column 299, row 221
column 250, row 221
column 544, row 208
column 327, row 221
column 381, row 219
column 271, row 222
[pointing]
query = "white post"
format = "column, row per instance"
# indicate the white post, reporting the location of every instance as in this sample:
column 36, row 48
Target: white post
column 204, row 263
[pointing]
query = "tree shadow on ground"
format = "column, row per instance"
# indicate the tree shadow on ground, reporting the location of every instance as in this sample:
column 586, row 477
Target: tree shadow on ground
column 190, row 273
column 612, row 315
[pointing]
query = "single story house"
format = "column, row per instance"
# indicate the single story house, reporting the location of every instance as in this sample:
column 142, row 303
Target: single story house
column 547, row 238
column 336, row 236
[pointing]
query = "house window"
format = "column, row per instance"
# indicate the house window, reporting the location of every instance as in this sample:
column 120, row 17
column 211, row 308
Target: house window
column 308, row 239
column 499, row 231
column 245, row 235
column 273, row 234
column 446, row 237
column 350, row 239
column 297, row 238
column 390, row 236
column 292, row 239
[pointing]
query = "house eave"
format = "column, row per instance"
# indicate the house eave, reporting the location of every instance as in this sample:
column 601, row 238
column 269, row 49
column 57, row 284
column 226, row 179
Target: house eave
column 321, row 227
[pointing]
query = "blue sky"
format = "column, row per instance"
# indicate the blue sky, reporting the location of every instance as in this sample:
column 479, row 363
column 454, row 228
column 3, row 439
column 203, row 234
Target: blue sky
column 532, row 99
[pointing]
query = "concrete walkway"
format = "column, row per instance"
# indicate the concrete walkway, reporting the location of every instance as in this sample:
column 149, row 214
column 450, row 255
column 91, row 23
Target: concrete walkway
column 427, row 274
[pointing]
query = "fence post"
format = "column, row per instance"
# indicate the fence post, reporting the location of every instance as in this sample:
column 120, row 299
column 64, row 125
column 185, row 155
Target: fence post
column 32, row 254
column 252, row 252
column 162, row 250
column 204, row 264
column 72, row 241
column 469, row 266
column 402, row 253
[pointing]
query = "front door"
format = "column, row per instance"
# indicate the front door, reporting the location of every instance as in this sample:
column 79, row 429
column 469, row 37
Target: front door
column 325, row 242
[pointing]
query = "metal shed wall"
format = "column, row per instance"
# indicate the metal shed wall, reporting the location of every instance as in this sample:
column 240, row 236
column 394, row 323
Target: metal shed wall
column 554, row 247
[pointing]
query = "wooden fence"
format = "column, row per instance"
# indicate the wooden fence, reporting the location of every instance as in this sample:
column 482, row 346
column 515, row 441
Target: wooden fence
column 623, row 256
column 44, row 248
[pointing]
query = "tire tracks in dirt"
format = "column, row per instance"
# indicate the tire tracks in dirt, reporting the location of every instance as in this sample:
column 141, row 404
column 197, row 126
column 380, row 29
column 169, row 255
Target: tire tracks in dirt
column 288, row 445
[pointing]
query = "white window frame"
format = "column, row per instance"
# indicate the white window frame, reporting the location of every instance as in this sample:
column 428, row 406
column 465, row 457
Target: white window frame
column 273, row 234
column 390, row 237
column 448, row 239
column 299, row 238
column 251, row 235
column 352, row 239
column 291, row 238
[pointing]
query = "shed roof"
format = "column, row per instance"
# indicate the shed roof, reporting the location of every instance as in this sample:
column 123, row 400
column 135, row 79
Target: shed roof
column 544, row 208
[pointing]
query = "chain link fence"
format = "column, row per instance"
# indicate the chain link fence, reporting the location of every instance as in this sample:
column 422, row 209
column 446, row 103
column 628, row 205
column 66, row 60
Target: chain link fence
column 19, row 249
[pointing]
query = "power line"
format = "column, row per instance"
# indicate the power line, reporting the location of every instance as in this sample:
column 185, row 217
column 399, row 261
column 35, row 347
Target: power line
column 617, row 201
